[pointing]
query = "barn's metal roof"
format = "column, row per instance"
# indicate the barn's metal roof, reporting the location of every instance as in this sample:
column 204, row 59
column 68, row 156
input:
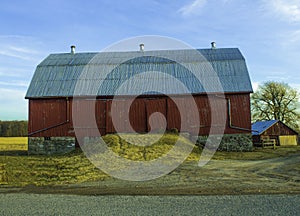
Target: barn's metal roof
column 261, row 126
column 102, row 74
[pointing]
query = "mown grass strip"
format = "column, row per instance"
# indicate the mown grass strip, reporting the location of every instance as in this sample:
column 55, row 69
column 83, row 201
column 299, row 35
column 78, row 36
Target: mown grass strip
column 13, row 143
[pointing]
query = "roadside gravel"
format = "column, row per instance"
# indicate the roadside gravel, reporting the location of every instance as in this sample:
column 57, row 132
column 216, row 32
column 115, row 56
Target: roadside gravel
column 50, row 204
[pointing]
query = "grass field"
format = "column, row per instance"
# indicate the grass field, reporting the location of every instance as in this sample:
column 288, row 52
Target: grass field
column 13, row 143
column 75, row 168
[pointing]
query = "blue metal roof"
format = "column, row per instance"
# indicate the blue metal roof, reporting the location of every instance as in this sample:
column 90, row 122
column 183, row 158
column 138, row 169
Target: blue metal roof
column 102, row 74
column 261, row 126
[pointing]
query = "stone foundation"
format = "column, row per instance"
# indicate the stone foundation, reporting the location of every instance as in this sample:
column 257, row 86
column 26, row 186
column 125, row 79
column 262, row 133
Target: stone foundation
column 229, row 142
column 50, row 145
column 62, row 145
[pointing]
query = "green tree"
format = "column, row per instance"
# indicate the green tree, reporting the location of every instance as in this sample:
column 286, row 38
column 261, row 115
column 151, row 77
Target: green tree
column 275, row 100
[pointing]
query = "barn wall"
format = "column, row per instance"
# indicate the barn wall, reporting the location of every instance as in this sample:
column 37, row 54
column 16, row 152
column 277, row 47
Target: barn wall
column 190, row 118
column 240, row 113
column 84, row 123
column 239, row 109
column 53, row 117
column 49, row 117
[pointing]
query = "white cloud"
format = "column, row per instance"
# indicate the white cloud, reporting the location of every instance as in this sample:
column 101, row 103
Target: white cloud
column 20, row 47
column 16, row 72
column 13, row 54
column 15, row 83
column 13, row 105
column 23, row 50
column 23, row 53
column 192, row 8
column 295, row 36
column 291, row 39
column 287, row 10
column 255, row 85
column 19, row 56
column 295, row 86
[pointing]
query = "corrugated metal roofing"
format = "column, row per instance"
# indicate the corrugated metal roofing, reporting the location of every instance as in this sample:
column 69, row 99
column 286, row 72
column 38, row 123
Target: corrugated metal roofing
column 66, row 74
column 261, row 126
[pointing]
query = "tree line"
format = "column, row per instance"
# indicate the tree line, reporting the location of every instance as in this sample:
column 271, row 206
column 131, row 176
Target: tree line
column 13, row 128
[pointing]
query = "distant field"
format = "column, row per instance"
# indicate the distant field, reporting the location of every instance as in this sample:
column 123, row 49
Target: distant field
column 13, row 143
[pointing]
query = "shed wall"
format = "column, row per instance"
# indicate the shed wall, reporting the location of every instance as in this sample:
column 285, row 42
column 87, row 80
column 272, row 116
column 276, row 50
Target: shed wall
column 53, row 117
column 278, row 129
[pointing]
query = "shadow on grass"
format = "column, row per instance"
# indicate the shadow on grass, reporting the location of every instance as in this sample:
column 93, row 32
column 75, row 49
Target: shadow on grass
column 13, row 153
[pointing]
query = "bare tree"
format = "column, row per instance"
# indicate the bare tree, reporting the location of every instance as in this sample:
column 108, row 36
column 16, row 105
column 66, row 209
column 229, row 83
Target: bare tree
column 274, row 100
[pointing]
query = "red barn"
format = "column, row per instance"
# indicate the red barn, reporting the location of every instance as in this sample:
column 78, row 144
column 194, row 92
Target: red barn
column 66, row 83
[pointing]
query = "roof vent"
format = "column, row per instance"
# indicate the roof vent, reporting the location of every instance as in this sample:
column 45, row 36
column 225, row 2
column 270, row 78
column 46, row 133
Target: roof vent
column 142, row 47
column 213, row 45
column 73, row 49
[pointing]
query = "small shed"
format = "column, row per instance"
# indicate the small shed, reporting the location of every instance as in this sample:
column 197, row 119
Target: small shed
column 273, row 130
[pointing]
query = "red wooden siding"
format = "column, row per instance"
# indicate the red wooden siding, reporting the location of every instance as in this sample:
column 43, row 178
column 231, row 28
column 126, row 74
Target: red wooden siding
column 240, row 113
column 88, row 121
column 137, row 115
column 50, row 113
column 101, row 115
column 189, row 116
column 53, row 117
column 121, row 122
column 204, row 114
column 109, row 125
column 158, row 121
column 173, row 115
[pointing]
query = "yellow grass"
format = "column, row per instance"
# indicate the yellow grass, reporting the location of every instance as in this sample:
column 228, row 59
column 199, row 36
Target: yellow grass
column 13, row 143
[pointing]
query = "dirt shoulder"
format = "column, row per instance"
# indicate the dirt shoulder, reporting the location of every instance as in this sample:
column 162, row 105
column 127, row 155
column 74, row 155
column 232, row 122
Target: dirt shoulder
column 279, row 175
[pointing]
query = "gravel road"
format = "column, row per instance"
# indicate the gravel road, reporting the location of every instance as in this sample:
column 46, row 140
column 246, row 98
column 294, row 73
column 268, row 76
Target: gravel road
column 50, row 204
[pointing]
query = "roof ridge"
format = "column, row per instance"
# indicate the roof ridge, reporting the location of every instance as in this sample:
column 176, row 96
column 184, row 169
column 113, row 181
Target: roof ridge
column 148, row 51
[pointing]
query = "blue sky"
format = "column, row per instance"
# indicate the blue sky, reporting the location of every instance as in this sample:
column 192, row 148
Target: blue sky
column 266, row 31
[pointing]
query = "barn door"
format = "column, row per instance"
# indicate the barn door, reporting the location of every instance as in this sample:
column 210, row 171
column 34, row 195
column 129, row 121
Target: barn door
column 288, row 140
column 101, row 116
column 190, row 118
column 134, row 121
column 157, row 122
column 84, row 117
column 116, row 108
column 137, row 116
